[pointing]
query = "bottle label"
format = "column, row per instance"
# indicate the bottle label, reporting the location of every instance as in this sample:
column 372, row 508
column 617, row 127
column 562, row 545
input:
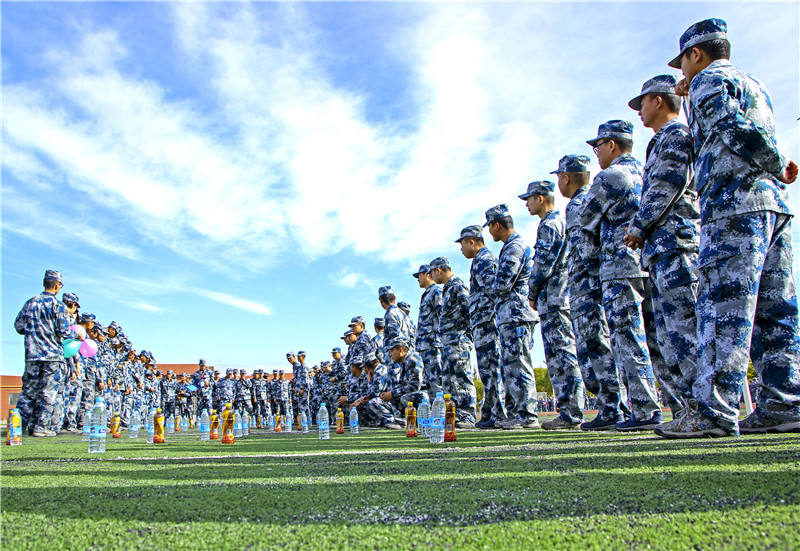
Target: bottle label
column 438, row 423
column 204, row 427
column 101, row 432
column 354, row 423
column 324, row 425
column 425, row 422
column 16, row 431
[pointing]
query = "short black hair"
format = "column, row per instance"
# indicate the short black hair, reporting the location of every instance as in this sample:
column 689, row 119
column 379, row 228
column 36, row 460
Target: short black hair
column 387, row 298
column 672, row 101
column 50, row 282
column 719, row 48
column 505, row 221
column 624, row 144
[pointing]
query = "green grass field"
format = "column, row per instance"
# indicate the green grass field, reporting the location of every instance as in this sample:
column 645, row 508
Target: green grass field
column 379, row 490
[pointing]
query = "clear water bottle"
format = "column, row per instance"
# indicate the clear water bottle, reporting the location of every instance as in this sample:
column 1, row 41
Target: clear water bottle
column 97, row 431
column 437, row 419
column 170, row 421
column 288, row 420
column 424, row 414
column 252, row 423
column 205, row 425
column 151, row 427
column 272, row 422
column 323, row 423
column 304, row 422
column 87, row 424
column 185, row 423
column 245, row 423
column 353, row 420
column 237, row 424
column 133, row 426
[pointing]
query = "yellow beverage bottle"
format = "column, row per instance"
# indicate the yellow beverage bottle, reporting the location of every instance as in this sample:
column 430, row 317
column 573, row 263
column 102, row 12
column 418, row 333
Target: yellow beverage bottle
column 115, row 422
column 177, row 422
column 14, row 428
column 300, row 421
column 449, row 419
column 339, row 421
column 158, row 427
column 411, row 421
column 214, row 428
column 278, row 421
column 227, row 425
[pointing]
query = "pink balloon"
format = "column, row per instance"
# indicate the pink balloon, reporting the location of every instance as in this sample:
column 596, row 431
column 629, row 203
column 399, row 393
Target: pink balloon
column 88, row 348
column 80, row 331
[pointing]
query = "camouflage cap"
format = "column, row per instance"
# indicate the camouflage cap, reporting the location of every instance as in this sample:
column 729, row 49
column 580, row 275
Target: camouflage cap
column 274, row 370
column 475, row 232
column 72, row 298
column 663, row 84
column 572, row 163
column 53, row 274
column 439, row 262
column 610, row 130
column 702, row 31
column 399, row 341
column 404, row 306
column 370, row 357
column 170, row 372
column 355, row 320
column 301, row 352
column 347, row 334
column 115, row 326
column 380, row 322
column 86, row 316
column 201, row 361
column 385, row 290
column 495, row 213
column 539, row 187
column 100, row 328
column 229, row 371
column 242, row 371
column 289, row 355
column 336, row 349
column 424, row 269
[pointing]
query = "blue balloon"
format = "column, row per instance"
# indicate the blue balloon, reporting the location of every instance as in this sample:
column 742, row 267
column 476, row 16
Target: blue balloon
column 71, row 347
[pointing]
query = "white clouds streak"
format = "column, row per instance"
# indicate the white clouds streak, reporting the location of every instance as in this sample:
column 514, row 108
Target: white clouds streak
column 241, row 304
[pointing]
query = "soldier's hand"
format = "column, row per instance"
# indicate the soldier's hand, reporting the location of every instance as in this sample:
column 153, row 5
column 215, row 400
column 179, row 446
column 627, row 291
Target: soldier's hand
column 682, row 88
column 633, row 242
column 127, row 391
column 790, row 173
column 73, row 377
column 532, row 303
column 342, row 400
column 387, row 396
column 101, row 386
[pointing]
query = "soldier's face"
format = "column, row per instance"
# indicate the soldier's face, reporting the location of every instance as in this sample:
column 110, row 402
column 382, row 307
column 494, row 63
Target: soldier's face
column 336, row 355
column 649, row 109
column 494, row 230
column 398, row 353
column 692, row 63
column 534, row 204
column 290, row 359
column 469, row 247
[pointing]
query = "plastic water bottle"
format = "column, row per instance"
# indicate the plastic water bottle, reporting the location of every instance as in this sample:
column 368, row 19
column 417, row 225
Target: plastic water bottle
column 253, row 423
column 133, row 426
column 151, row 427
column 170, row 421
column 237, row 424
column 353, row 420
column 87, row 424
column 424, row 418
column 245, row 423
column 97, row 432
column 304, row 422
column 214, row 427
column 437, row 419
column 287, row 421
column 339, row 421
column 323, row 422
column 14, row 428
column 205, row 425
column 271, row 422
column 228, row 425
column 185, row 424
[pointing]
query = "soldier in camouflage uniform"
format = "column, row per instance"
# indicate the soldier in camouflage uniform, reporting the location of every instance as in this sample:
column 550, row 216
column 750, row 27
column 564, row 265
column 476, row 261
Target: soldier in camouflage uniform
column 45, row 323
column 406, row 309
column 302, row 386
column 484, row 329
column 515, row 319
column 549, row 297
column 611, row 204
column 377, row 340
column 428, row 343
column 747, row 304
column 397, row 322
column 379, row 382
column 202, row 380
column 667, row 229
column 595, row 358
column 357, row 391
column 169, row 389
column 363, row 344
column 454, row 327
column 407, row 386
column 93, row 381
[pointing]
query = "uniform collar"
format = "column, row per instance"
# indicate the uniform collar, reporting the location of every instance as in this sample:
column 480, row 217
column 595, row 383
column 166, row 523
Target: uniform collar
column 622, row 158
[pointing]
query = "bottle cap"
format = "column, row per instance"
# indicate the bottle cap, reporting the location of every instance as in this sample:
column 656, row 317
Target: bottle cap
column 411, row 403
column 439, row 394
column 446, row 396
column 158, row 410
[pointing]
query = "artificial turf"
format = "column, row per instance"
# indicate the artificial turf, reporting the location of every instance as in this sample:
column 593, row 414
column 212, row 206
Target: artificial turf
column 379, row 490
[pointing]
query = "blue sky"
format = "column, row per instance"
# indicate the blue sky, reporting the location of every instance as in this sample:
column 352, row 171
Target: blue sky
column 234, row 181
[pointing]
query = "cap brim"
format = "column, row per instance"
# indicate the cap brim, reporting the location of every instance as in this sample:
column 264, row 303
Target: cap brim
column 636, row 103
column 556, row 171
column 676, row 63
column 416, row 275
column 594, row 141
column 487, row 223
column 525, row 196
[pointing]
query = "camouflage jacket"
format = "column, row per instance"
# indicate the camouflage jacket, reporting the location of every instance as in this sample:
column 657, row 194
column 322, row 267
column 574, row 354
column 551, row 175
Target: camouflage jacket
column 510, row 287
column 45, row 322
column 430, row 310
column 482, row 273
column 547, row 285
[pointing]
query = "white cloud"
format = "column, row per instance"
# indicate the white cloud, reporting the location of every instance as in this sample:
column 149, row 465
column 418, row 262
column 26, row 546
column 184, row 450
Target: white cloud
column 145, row 306
column 236, row 302
column 349, row 280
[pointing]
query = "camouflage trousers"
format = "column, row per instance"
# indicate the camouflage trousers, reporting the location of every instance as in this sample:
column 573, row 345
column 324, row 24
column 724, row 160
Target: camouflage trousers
column 263, row 409
column 747, row 306
column 128, row 404
column 673, row 298
column 622, row 301
column 432, row 365
column 413, row 397
column 304, row 404
column 593, row 347
column 384, row 412
column 42, row 382
column 88, row 396
column 516, row 345
column 74, row 393
column 60, row 404
column 457, row 378
column 562, row 364
column 487, row 350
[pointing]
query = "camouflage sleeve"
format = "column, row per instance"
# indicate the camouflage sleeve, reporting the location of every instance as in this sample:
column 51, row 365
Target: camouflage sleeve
column 508, row 267
column 485, row 276
column 595, row 206
column 547, row 248
column 667, row 180
column 19, row 323
column 63, row 323
column 720, row 113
